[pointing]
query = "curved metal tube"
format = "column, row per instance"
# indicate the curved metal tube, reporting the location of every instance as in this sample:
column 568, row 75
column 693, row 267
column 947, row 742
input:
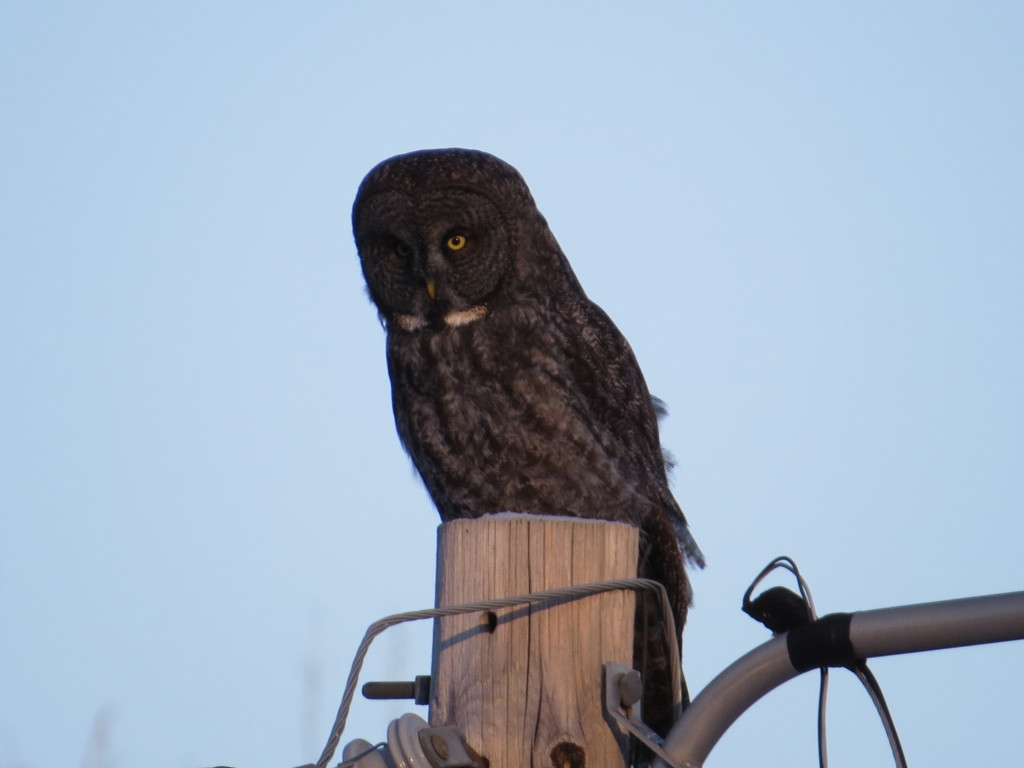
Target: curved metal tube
column 880, row 632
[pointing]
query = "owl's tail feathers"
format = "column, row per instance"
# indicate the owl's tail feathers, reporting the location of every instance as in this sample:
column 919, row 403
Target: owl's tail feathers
column 664, row 688
column 657, row 636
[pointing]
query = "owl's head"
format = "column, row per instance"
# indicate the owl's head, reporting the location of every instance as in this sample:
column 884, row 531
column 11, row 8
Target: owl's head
column 438, row 234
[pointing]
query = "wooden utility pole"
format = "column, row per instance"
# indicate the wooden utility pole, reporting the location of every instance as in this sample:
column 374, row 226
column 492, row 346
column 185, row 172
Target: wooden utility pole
column 524, row 685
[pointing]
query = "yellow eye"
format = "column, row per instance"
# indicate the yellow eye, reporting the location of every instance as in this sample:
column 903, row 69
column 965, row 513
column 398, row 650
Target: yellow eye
column 456, row 242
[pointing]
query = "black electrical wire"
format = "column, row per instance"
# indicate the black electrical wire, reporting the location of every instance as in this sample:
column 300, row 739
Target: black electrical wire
column 822, row 738
column 875, row 692
column 781, row 610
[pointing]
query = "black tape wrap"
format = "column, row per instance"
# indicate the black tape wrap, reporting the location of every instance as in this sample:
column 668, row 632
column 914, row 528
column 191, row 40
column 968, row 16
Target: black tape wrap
column 822, row 643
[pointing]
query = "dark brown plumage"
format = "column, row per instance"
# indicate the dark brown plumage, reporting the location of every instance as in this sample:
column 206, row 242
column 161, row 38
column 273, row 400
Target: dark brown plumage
column 512, row 391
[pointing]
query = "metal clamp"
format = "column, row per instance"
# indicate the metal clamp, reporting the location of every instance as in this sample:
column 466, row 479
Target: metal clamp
column 622, row 690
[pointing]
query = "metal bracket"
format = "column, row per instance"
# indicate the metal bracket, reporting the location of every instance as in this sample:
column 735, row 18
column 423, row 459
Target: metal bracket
column 622, row 690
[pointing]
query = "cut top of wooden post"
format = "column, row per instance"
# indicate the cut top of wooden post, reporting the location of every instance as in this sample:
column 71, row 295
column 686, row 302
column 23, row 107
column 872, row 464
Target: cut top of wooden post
column 523, row 685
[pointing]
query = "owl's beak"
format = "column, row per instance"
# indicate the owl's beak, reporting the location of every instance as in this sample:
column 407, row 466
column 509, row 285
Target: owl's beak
column 431, row 289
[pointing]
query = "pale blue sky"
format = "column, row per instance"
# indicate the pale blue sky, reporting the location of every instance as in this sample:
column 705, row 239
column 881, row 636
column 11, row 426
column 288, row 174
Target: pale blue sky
column 808, row 219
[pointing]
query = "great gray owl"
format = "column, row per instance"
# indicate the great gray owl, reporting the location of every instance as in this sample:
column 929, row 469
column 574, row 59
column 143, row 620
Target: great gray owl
column 512, row 391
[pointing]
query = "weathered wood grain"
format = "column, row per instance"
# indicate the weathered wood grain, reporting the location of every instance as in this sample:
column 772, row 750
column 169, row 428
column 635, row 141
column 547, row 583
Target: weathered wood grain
column 523, row 685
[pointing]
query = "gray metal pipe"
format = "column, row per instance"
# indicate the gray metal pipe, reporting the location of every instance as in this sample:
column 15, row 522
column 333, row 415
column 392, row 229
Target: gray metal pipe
column 880, row 632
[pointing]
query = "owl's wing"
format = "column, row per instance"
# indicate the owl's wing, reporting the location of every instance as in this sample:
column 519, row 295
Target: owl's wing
column 609, row 377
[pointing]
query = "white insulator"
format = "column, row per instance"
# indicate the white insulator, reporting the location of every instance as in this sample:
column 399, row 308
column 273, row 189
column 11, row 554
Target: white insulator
column 402, row 749
column 404, row 743
column 369, row 757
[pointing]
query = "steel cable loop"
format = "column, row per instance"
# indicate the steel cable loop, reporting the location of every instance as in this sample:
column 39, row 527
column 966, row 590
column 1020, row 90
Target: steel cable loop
column 549, row 595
